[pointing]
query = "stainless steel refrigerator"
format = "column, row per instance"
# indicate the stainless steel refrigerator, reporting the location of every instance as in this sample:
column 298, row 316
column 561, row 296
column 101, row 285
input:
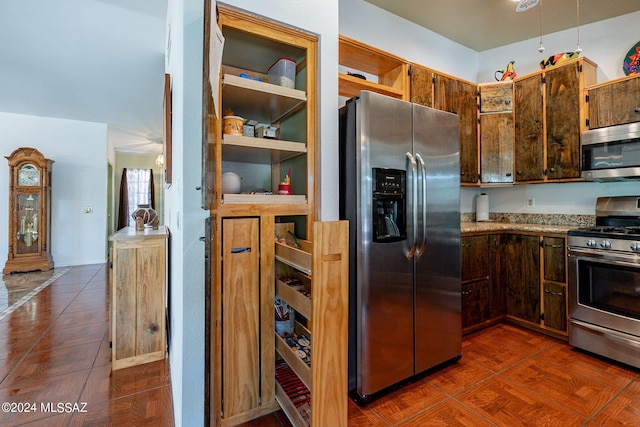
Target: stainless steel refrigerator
column 400, row 191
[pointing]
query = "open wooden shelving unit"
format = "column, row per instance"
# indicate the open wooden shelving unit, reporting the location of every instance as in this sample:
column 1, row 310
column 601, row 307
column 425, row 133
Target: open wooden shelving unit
column 322, row 267
column 391, row 71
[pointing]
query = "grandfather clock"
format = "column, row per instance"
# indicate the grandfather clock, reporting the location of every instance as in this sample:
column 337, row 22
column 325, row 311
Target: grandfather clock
column 29, row 212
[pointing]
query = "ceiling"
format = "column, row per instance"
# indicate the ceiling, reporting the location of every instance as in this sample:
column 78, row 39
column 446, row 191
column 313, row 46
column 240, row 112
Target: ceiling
column 103, row 60
column 90, row 60
column 486, row 24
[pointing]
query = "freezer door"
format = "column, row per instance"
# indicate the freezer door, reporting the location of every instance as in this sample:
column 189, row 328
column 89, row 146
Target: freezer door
column 438, row 325
column 385, row 275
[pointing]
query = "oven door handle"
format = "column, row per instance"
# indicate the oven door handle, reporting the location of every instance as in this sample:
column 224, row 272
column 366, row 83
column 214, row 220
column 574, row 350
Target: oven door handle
column 615, row 335
column 617, row 258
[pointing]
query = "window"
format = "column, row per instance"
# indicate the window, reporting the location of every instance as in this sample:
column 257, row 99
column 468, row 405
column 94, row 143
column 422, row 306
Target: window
column 136, row 189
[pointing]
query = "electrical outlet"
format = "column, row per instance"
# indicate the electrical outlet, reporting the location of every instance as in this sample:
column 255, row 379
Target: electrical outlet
column 88, row 209
column 531, row 202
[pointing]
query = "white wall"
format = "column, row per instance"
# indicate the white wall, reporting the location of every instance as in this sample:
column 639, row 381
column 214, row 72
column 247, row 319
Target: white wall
column 79, row 179
column 183, row 214
column 376, row 27
column 605, row 43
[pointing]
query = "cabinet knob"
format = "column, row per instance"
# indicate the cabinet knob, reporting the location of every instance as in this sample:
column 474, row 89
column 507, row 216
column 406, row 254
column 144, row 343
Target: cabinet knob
column 508, row 174
column 552, row 169
column 637, row 110
column 466, row 292
column 519, row 172
column 461, row 173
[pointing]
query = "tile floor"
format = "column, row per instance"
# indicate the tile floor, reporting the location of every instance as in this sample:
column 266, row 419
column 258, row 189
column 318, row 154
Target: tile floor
column 54, row 349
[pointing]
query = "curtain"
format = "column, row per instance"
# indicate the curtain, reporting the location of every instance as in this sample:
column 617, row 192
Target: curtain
column 136, row 189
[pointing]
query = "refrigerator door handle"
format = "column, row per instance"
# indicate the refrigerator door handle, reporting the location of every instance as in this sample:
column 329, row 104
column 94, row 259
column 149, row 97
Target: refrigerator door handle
column 423, row 205
column 414, row 199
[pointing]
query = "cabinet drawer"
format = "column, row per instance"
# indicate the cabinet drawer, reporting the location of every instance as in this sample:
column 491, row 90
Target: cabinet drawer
column 296, row 258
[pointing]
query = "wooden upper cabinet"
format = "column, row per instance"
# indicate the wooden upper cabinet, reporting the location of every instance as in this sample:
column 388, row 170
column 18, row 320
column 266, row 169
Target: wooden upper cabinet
column 387, row 73
column 496, row 132
column 614, row 103
column 529, row 130
column 461, row 97
column 563, row 99
column 550, row 114
column 436, row 90
column 422, row 85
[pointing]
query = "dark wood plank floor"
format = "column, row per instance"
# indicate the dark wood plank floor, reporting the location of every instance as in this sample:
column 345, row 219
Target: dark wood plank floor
column 54, row 350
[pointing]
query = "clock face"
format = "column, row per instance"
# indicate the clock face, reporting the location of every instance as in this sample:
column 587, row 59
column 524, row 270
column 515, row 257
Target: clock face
column 28, row 175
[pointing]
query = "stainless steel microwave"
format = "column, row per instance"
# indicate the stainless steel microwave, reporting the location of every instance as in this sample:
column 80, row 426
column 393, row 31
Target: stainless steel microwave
column 611, row 153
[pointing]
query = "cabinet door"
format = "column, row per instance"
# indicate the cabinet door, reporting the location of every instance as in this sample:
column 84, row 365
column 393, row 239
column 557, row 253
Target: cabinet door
column 496, row 147
column 562, row 86
column 422, row 86
column 475, row 302
column 475, row 257
column 615, row 104
column 554, row 259
column 529, row 131
column 498, row 295
column 150, row 310
column 522, row 256
column 555, row 306
column 240, row 318
column 460, row 97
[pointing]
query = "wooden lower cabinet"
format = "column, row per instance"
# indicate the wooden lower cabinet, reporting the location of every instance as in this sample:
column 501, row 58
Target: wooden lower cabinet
column 476, row 302
column 518, row 276
column 138, row 296
column 482, row 294
column 248, row 359
column 522, row 254
column 536, row 281
column 241, row 321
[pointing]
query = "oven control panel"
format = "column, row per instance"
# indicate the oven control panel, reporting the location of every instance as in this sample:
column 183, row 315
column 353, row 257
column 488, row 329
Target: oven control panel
column 604, row 243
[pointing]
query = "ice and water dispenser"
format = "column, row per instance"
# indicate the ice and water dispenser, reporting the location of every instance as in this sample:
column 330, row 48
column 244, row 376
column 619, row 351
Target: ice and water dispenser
column 389, row 205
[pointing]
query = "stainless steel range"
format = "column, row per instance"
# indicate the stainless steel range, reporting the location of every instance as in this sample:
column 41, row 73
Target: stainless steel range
column 604, row 281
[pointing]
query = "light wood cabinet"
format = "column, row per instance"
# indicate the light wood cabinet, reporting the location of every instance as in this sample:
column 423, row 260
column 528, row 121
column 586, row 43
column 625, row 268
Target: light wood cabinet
column 384, row 73
column 549, row 114
column 252, row 47
column 241, row 352
column 138, row 296
column 241, row 322
column 313, row 280
column 616, row 102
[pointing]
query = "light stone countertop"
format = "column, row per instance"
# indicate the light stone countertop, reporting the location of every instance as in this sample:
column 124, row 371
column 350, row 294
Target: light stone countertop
column 491, row 226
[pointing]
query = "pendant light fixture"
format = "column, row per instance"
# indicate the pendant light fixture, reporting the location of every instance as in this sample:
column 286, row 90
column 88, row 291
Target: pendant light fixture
column 578, row 47
column 541, row 48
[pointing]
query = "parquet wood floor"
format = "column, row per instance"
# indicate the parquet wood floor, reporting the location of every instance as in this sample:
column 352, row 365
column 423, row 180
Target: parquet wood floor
column 55, row 358
column 509, row 377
